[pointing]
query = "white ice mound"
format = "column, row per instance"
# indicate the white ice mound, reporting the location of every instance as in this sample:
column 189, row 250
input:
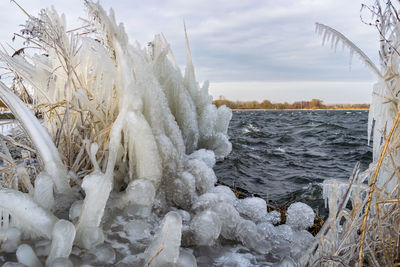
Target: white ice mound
column 207, row 156
column 164, row 249
column 273, row 217
column 254, row 208
column 300, row 216
column 206, row 227
column 139, row 192
column 127, row 150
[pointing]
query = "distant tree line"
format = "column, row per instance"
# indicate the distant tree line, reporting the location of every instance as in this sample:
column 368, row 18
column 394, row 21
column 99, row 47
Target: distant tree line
column 266, row 104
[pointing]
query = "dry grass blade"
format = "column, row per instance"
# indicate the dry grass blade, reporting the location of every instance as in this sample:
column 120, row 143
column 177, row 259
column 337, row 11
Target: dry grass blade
column 372, row 188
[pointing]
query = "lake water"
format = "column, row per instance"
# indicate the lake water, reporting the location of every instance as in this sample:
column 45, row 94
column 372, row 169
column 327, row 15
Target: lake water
column 286, row 155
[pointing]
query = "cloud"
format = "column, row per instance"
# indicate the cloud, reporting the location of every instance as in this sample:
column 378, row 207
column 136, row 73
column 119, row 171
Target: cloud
column 236, row 40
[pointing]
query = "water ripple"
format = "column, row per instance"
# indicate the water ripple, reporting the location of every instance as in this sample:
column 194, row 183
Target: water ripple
column 286, row 154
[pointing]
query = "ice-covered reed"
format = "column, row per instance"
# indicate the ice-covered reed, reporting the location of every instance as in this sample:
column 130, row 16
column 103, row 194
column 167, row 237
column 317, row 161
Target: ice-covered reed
column 363, row 223
column 126, row 147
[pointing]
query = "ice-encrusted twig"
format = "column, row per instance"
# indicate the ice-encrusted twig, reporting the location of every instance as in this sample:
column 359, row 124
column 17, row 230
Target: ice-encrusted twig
column 28, row 215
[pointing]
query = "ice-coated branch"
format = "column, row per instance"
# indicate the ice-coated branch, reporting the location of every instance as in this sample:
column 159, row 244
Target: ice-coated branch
column 336, row 37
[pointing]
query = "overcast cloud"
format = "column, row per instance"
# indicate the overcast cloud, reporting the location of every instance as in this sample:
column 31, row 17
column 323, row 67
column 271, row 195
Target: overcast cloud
column 238, row 44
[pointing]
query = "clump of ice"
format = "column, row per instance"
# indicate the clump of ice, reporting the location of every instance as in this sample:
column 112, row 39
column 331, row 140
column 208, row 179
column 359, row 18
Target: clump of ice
column 32, row 219
column 267, row 229
column 225, row 193
column 247, row 232
column 229, row 217
column 97, row 187
column 27, row 256
column 206, row 226
column 301, row 241
column 164, row 249
column 285, row 232
column 207, row 156
column 62, row 241
column 138, row 197
column 254, row 208
column 300, row 216
column 43, row 193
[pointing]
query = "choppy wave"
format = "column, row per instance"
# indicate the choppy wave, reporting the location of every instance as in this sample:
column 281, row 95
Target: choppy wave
column 283, row 155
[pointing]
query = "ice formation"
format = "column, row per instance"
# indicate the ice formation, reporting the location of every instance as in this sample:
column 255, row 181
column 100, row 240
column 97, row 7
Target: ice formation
column 126, row 148
column 27, row 256
column 300, row 216
column 363, row 216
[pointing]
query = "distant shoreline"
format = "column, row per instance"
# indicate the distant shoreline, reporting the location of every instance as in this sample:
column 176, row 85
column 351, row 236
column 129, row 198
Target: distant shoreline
column 314, row 104
column 329, row 109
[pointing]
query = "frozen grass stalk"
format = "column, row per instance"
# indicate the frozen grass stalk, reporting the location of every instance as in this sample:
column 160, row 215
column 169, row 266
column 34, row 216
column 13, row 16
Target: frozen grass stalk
column 368, row 233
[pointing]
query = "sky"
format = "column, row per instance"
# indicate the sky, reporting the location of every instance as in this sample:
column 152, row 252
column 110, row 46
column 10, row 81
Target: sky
column 248, row 50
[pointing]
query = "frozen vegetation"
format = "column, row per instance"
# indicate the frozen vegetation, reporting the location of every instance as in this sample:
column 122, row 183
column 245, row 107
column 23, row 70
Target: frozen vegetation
column 126, row 148
column 363, row 223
